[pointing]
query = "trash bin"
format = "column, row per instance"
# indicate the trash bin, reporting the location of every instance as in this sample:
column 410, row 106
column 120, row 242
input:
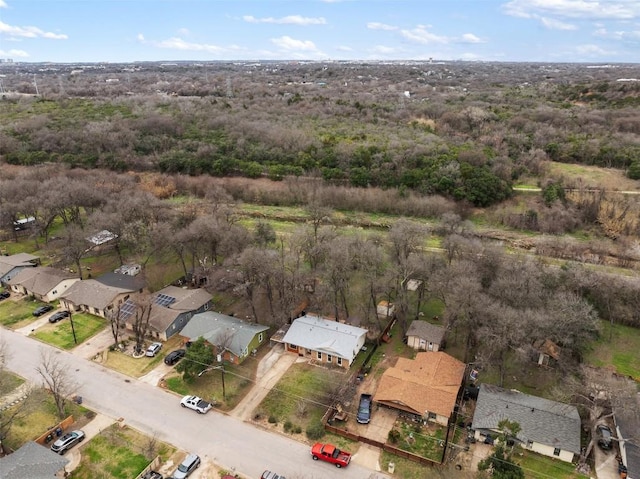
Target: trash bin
column 392, row 467
column 78, row 399
column 49, row 438
column 58, row 431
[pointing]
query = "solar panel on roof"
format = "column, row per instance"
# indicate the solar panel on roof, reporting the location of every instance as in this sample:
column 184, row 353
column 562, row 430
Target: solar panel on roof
column 127, row 310
column 164, row 300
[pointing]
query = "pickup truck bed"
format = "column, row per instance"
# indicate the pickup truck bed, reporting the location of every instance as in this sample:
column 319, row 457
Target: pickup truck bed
column 330, row 453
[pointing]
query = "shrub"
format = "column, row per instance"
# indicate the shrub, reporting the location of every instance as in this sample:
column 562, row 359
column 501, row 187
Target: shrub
column 273, row 419
column 288, row 426
column 297, row 429
column 394, row 436
column 315, row 431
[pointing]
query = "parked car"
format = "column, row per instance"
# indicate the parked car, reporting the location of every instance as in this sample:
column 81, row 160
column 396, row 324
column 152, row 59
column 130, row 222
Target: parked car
column 153, row 349
column 604, row 436
column 67, row 441
column 186, row 467
column 271, row 475
column 4, row 295
column 364, row 409
column 59, row 316
column 152, row 475
column 174, row 356
column 196, row 403
column 42, row 310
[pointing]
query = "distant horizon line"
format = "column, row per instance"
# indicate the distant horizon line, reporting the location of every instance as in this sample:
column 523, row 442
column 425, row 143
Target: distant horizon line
column 9, row 61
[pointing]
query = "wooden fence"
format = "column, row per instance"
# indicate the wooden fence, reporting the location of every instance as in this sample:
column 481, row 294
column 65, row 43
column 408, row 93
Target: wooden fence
column 54, row 431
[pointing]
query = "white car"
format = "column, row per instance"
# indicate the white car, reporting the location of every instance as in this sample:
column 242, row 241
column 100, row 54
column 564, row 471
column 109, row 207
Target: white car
column 153, row 349
column 197, row 404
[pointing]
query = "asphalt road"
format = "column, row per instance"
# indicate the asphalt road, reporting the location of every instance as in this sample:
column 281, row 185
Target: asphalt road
column 225, row 440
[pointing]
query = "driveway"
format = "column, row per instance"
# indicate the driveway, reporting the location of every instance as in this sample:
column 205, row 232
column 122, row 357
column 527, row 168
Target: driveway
column 271, row 368
column 94, row 345
column 606, row 463
column 224, row 440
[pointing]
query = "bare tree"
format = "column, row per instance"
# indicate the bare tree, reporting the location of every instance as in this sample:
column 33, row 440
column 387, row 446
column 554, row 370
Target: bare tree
column 116, row 322
column 57, row 379
column 140, row 324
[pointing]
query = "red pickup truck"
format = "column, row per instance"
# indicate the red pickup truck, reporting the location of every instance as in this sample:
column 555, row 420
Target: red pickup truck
column 330, row 453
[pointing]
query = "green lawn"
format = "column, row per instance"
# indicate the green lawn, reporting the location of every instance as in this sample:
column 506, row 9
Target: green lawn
column 617, row 347
column 134, row 367
column 61, row 335
column 302, row 395
column 16, row 314
column 536, row 466
column 8, row 382
column 119, row 453
column 237, row 382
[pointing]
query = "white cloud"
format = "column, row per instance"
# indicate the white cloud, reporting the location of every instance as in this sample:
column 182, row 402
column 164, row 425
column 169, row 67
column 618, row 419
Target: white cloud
column 13, row 53
column 592, row 9
column 344, row 48
column 3, row 4
column 617, row 35
column 29, row 32
column 471, row 38
column 176, row 43
column 288, row 20
column 593, row 50
column 421, row 35
column 380, row 26
column 553, row 24
column 287, row 43
column 140, row 37
column 184, row 32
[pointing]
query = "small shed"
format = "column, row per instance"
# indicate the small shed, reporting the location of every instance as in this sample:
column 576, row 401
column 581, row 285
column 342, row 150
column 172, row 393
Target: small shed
column 548, row 352
column 385, row 310
column 424, row 336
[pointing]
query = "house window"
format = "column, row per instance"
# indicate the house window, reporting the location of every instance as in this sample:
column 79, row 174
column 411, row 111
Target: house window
column 329, row 358
column 260, row 337
column 339, row 361
column 55, row 291
column 319, row 355
column 293, row 347
column 529, row 444
column 556, row 451
column 431, row 416
column 206, row 307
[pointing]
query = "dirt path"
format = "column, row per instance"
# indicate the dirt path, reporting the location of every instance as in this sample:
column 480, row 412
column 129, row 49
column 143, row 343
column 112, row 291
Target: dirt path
column 271, row 368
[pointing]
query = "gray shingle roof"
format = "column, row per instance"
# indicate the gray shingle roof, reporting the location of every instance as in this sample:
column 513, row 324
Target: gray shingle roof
column 186, row 299
column 325, row 335
column 7, row 263
column 91, row 292
column 425, row 330
column 32, row 461
column 40, row 280
column 541, row 420
column 628, row 424
column 212, row 326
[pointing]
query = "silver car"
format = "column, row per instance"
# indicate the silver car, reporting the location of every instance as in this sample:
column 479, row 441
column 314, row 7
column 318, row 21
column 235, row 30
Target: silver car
column 67, row 441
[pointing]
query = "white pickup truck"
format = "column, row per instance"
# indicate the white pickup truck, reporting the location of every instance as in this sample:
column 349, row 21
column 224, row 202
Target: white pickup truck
column 197, row 404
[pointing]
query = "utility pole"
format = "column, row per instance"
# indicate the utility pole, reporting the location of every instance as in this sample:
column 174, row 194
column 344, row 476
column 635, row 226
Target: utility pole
column 73, row 329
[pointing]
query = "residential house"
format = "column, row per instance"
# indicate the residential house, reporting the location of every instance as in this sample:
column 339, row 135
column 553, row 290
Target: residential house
column 627, row 427
column 232, row 338
column 13, row 264
column 102, row 295
column 426, row 387
column 547, row 427
column 33, row 461
column 324, row 340
column 424, row 336
column 44, row 283
column 172, row 308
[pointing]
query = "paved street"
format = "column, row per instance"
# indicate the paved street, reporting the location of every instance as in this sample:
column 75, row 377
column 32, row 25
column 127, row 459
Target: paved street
column 227, row 441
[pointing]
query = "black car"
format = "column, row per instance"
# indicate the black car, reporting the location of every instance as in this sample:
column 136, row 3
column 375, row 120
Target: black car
column 42, row 310
column 174, row 356
column 152, row 475
column 604, row 436
column 59, row 316
column 4, row 295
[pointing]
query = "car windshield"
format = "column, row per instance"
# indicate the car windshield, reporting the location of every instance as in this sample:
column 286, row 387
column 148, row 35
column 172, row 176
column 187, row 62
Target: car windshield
column 182, row 468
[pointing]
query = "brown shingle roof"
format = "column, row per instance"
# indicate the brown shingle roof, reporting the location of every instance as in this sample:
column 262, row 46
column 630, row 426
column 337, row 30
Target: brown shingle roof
column 424, row 330
column 40, row 280
column 428, row 383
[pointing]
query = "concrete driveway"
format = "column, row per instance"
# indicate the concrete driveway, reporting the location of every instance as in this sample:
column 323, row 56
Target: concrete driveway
column 606, row 463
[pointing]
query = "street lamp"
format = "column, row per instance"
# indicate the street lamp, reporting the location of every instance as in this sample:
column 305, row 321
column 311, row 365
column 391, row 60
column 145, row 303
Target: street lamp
column 221, row 368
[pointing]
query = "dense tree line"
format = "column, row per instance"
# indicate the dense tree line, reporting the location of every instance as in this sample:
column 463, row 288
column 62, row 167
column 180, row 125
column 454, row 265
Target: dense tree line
column 462, row 131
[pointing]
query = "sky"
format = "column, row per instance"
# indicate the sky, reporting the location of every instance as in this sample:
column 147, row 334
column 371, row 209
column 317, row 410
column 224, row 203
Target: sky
column 69, row 31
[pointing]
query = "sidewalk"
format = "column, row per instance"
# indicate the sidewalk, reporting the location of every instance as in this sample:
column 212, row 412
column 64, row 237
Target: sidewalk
column 271, row 368
column 15, row 396
column 94, row 345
